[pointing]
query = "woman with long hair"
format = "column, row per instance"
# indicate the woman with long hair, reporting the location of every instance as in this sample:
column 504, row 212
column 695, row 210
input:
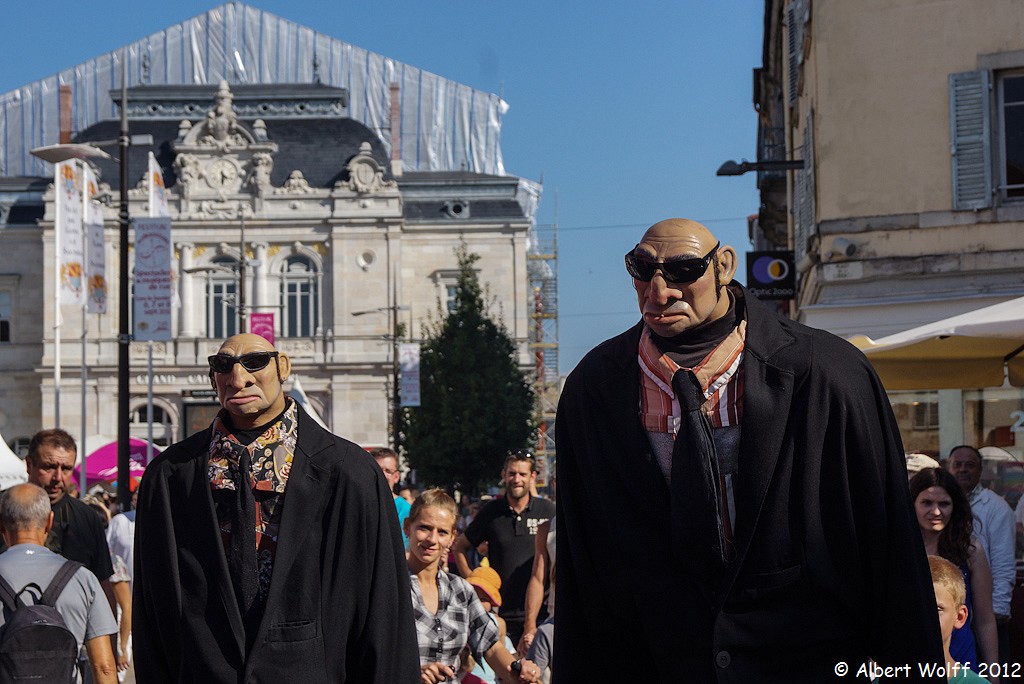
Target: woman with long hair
column 448, row 612
column 947, row 526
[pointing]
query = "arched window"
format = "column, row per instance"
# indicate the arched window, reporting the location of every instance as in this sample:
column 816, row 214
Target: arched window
column 163, row 425
column 221, row 293
column 300, row 298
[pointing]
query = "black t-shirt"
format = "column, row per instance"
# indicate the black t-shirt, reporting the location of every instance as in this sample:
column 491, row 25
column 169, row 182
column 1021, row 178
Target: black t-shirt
column 77, row 534
column 510, row 537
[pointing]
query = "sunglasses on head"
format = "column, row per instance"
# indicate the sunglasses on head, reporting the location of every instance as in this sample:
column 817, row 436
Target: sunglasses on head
column 253, row 361
column 684, row 270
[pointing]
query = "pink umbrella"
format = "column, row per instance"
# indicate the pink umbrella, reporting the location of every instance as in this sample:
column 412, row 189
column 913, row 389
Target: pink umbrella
column 101, row 463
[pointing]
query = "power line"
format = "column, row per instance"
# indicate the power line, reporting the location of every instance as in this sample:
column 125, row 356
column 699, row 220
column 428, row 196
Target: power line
column 610, row 226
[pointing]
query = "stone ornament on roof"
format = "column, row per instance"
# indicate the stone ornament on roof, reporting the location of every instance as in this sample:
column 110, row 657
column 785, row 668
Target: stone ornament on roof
column 365, row 175
column 259, row 177
column 220, row 157
column 295, row 185
column 221, row 128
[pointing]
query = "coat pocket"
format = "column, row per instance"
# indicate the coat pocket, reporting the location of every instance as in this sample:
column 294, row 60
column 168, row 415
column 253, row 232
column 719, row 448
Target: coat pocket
column 760, row 586
column 300, row 630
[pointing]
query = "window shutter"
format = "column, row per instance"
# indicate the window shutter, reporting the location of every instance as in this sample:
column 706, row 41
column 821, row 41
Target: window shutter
column 971, row 148
column 794, row 47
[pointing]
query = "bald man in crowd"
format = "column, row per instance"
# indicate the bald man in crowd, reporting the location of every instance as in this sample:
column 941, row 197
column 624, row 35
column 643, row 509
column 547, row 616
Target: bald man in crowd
column 754, row 469
column 267, row 549
column 28, row 567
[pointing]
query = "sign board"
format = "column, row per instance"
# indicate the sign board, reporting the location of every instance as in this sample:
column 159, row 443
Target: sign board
column 771, row 275
column 262, row 324
column 409, row 374
column 153, row 283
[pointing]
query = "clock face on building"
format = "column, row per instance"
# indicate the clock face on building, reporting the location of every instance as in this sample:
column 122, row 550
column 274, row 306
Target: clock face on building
column 221, row 173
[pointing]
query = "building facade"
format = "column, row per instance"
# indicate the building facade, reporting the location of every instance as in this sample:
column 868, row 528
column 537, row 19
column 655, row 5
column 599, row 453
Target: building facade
column 280, row 203
column 909, row 119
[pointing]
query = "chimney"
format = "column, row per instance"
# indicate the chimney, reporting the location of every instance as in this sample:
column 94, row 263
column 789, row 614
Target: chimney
column 64, row 107
column 396, row 129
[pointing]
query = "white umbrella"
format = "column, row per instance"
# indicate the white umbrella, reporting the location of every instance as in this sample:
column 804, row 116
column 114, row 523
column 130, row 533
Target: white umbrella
column 12, row 468
column 976, row 349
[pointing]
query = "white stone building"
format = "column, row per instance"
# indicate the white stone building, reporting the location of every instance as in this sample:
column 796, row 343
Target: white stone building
column 337, row 242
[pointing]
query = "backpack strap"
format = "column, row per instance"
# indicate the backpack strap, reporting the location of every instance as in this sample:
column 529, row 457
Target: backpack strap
column 10, row 600
column 59, row 581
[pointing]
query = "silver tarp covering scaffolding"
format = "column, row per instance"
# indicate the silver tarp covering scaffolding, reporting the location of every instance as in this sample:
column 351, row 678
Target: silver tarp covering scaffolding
column 444, row 125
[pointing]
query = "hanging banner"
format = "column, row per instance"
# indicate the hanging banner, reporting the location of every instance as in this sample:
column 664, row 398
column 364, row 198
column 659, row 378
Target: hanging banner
column 409, row 374
column 67, row 184
column 96, row 261
column 157, row 192
column 262, row 324
column 152, row 300
column 158, row 208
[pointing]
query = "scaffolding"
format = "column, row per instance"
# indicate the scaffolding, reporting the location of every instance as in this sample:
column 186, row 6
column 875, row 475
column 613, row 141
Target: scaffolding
column 543, row 276
column 443, row 125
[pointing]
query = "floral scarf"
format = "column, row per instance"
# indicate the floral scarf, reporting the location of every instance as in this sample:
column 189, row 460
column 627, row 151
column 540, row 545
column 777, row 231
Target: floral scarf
column 271, row 456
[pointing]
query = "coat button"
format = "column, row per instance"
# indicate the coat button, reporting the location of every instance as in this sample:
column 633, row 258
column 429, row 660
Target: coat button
column 723, row 659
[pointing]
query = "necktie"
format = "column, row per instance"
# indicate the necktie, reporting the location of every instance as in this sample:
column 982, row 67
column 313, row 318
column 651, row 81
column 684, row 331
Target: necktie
column 698, row 533
column 242, row 563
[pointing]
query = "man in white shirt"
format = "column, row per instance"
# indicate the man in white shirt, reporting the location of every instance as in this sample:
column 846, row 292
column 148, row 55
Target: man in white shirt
column 994, row 528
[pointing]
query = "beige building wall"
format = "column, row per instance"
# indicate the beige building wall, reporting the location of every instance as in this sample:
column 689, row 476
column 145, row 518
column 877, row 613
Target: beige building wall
column 879, row 245
column 878, row 73
column 874, row 87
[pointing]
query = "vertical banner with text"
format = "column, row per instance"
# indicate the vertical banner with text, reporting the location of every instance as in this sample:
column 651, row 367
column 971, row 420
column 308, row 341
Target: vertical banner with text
column 262, row 324
column 67, row 184
column 96, row 260
column 409, row 374
column 157, row 192
column 152, row 310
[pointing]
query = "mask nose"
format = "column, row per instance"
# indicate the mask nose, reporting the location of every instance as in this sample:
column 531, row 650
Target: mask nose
column 659, row 289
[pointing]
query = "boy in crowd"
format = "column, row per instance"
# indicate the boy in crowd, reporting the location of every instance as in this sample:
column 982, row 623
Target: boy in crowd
column 950, row 597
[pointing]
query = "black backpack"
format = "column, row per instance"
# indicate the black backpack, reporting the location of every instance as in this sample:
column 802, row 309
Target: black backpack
column 36, row 644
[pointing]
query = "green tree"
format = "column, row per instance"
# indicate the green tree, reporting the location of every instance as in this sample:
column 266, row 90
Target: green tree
column 476, row 403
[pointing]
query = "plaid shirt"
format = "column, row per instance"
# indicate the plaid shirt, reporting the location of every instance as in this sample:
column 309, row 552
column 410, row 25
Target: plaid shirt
column 460, row 619
column 721, row 376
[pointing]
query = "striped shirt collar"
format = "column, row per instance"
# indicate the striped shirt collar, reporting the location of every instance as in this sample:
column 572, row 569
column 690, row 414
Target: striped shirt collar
column 658, row 407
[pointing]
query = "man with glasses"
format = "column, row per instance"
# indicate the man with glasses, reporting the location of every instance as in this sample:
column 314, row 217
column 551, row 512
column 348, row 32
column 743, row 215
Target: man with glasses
column 268, row 547
column 509, row 526
column 733, row 501
column 387, row 460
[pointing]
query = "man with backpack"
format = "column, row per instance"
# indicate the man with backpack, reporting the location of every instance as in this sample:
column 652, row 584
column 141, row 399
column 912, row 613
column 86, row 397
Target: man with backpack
column 35, row 641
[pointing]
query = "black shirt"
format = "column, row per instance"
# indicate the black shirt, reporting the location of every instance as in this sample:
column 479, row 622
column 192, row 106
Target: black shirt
column 510, row 537
column 77, row 534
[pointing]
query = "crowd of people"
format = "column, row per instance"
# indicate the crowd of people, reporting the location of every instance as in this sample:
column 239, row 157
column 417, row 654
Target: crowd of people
column 752, row 464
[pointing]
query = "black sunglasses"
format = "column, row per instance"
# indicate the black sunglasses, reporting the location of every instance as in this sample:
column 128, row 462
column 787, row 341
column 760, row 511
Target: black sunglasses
column 684, row 270
column 252, row 362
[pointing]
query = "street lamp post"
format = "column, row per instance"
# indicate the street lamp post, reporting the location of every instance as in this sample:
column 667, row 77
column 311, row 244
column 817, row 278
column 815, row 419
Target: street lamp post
column 243, row 314
column 123, row 338
column 241, row 307
column 731, row 168
column 84, row 150
column 394, row 398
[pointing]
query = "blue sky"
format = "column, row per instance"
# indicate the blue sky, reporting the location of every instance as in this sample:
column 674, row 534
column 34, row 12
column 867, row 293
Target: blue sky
column 625, row 109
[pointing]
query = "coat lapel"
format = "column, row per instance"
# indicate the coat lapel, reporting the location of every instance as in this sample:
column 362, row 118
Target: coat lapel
column 221, row 579
column 303, row 501
column 640, row 457
column 767, row 396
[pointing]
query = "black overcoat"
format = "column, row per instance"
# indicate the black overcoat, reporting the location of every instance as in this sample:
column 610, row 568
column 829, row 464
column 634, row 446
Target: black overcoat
column 830, row 566
column 338, row 608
